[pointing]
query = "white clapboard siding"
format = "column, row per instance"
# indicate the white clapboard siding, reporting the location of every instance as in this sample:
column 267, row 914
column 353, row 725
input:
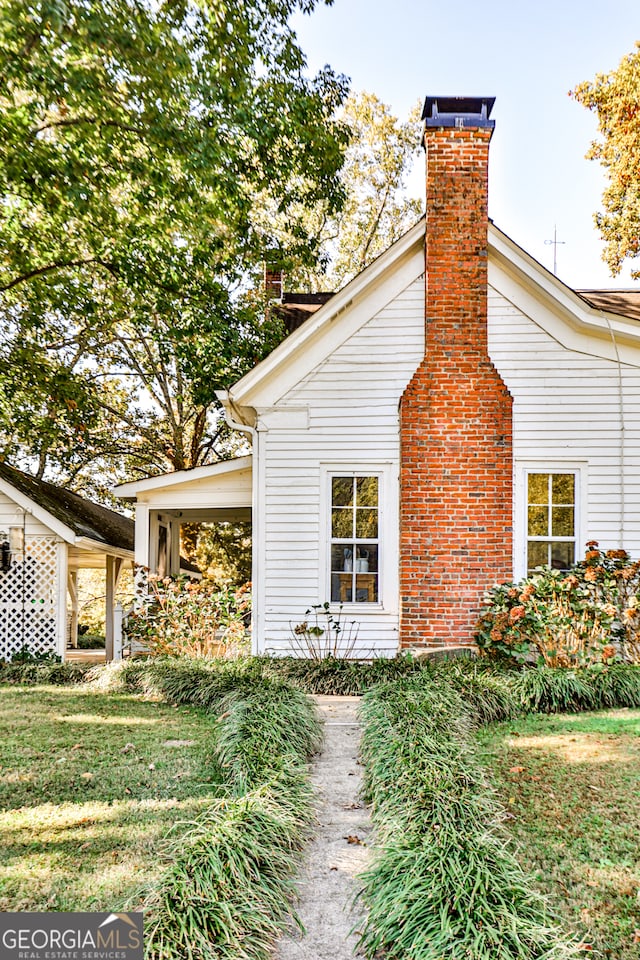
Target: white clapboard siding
column 567, row 408
column 12, row 516
column 352, row 399
column 231, row 489
column 567, row 411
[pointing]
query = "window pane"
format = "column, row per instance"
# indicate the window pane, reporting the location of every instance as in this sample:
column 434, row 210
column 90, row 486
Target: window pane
column 538, row 488
column 366, row 588
column 537, row 555
column 562, row 487
column 562, row 555
column 538, row 522
column 367, row 491
column 342, row 557
column 562, row 521
column 366, row 523
column 369, row 553
column 342, row 523
column 342, row 491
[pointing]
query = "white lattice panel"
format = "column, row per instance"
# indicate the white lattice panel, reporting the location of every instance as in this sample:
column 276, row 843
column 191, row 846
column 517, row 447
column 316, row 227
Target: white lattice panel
column 28, row 600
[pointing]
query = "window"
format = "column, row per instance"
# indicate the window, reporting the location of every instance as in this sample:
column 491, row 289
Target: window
column 551, row 520
column 355, row 524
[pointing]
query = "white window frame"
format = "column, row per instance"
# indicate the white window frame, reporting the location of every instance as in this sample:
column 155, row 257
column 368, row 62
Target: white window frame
column 521, row 539
column 388, row 483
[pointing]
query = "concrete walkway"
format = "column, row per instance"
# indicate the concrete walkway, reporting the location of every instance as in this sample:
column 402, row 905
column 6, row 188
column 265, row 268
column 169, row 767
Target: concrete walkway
column 338, row 851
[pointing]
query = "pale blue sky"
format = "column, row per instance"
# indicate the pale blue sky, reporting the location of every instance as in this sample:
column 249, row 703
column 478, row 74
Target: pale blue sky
column 527, row 55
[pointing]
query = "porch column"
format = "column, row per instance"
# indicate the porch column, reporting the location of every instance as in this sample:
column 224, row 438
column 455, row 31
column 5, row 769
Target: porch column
column 113, row 568
column 72, row 590
column 63, row 560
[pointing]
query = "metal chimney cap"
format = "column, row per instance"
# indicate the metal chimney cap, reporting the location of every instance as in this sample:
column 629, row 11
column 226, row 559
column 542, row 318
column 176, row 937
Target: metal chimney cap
column 458, row 112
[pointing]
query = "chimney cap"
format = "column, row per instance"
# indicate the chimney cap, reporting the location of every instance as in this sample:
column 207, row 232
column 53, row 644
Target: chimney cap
column 458, row 112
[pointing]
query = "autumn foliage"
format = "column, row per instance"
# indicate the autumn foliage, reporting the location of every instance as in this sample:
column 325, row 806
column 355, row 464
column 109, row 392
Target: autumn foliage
column 590, row 614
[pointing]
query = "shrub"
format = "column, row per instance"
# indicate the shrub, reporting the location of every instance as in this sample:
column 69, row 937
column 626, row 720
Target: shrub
column 589, row 615
column 34, row 671
column 191, row 618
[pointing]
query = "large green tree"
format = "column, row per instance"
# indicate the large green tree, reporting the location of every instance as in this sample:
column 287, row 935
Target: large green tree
column 377, row 209
column 136, row 137
column 615, row 98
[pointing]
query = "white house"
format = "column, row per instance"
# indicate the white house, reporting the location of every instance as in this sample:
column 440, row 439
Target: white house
column 454, row 416
column 47, row 535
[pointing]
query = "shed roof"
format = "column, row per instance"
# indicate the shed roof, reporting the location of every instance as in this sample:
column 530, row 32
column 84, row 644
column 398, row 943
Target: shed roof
column 83, row 517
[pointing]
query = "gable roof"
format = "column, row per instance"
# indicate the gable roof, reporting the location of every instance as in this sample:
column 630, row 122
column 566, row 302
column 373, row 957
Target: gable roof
column 82, row 517
column 133, row 488
column 624, row 303
column 294, row 308
column 329, row 326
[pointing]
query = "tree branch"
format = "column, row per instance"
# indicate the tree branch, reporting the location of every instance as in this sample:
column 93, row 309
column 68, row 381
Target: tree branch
column 58, row 265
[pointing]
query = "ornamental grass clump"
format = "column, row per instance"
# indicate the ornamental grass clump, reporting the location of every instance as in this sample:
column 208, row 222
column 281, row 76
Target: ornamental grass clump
column 588, row 615
column 228, row 888
column 442, row 883
column 228, row 891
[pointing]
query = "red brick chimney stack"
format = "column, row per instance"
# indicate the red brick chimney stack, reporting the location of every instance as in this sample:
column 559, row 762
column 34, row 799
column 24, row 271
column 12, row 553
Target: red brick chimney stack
column 456, row 413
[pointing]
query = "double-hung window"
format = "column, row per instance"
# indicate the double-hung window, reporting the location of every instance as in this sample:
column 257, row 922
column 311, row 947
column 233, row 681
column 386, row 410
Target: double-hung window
column 355, row 538
column 552, row 508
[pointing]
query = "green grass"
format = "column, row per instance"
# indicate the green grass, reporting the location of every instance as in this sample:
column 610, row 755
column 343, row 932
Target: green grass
column 571, row 786
column 89, row 786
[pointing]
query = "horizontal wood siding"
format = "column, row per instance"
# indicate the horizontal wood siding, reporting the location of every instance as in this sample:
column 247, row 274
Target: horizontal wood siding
column 227, row 490
column 11, row 516
column 352, row 400
column 567, row 406
column 567, row 409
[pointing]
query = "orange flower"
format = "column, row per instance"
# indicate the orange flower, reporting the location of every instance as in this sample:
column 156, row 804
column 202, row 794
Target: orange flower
column 517, row 613
column 608, row 652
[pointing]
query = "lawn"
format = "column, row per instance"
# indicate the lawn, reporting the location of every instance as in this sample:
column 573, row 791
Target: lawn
column 90, row 784
column 571, row 785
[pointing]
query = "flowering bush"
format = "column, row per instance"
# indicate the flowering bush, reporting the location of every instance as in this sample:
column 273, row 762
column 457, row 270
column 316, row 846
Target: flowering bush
column 590, row 614
column 191, row 618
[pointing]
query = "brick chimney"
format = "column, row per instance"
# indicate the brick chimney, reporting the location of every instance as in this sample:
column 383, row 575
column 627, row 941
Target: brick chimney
column 455, row 414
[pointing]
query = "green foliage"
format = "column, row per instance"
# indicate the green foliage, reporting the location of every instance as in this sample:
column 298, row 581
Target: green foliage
column 34, row 671
column 191, row 618
column 228, row 891
column 598, row 687
column 615, row 98
column 136, row 141
column 377, row 210
column 443, row 882
column 589, row 615
column 338, row 676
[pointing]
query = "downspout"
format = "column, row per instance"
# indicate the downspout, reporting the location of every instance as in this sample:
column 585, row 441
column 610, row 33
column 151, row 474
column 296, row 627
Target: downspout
column 623, row 442
column 233, row 418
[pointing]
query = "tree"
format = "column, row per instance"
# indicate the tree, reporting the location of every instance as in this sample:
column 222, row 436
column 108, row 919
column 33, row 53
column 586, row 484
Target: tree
column 135, row 137
column 615, row 98
column 376, row 210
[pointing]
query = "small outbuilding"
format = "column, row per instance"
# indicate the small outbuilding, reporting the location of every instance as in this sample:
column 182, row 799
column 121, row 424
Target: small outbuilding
column 47, row 534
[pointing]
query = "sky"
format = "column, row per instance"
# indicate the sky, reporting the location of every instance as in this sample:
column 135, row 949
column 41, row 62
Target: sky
column 529, row 56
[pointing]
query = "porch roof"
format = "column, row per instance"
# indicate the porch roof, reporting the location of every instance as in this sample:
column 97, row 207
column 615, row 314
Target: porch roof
column 79, row 521
column 219, row 491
